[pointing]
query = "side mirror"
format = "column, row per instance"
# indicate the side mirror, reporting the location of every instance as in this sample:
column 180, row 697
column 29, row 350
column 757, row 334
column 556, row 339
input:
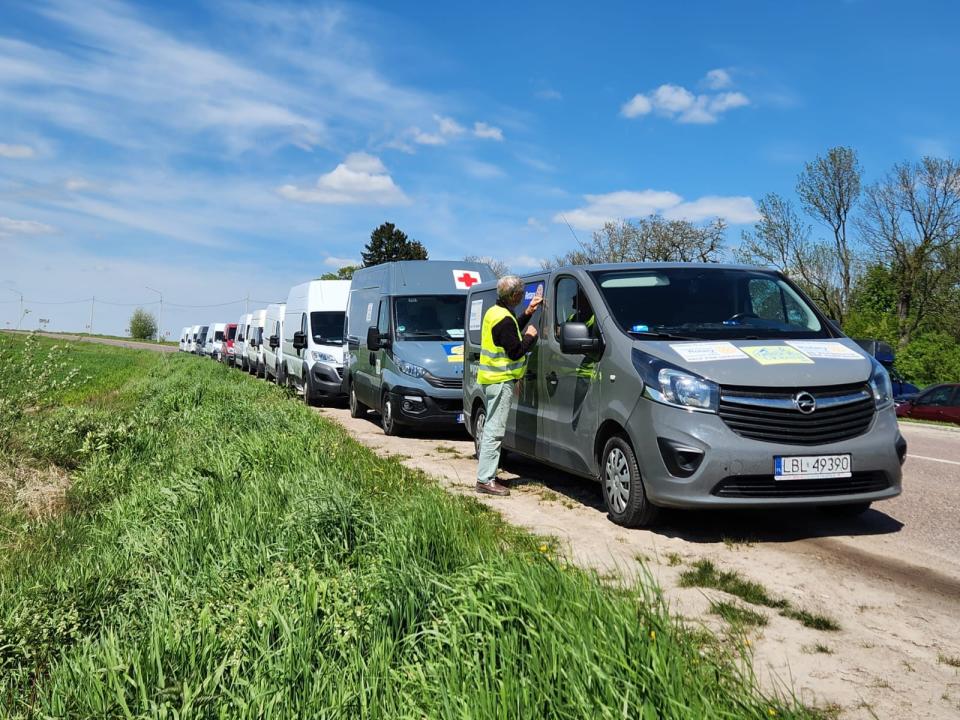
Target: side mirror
column 376, row 341
column 299, row 340
column 575, row 339
column 274, row 342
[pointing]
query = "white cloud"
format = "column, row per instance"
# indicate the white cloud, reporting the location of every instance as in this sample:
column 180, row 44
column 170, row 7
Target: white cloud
column 361, row 179
column 718, row 79
column 525, row 262
column 10, row 227
column 16, row 152
column 535, row 224
column 339, row 262
column 487, row 132
column 636, row 106
column 482, row 170
column 632, row 204
column 548, row 94
column 425, row 138
column 449, row 126
column 76, row 184
column 678, row 103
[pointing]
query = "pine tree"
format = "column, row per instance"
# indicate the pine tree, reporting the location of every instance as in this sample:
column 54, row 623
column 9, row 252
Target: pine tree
column 389, row 243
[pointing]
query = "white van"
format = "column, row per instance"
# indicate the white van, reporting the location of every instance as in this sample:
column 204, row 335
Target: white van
column 184, row 339
column 214, row 343
column 272, row 338
column 200, row 340
column 254, row 342
column 239, row 358
column 313, row 338
column 192, row 334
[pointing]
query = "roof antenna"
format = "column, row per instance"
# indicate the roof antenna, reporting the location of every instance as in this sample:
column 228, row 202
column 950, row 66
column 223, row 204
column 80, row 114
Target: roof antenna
column 571, row 229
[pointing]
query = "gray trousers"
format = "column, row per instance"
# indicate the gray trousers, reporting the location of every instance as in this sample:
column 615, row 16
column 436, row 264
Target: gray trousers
column 498, row 397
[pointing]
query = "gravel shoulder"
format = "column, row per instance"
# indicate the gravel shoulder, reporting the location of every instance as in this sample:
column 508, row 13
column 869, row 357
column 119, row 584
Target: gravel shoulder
column 890, row 579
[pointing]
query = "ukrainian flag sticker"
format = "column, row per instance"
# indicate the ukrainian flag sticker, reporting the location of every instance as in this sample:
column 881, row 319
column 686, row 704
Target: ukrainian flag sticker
column 454, row 352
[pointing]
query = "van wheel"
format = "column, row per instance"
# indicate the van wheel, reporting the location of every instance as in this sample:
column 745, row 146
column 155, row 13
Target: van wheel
column 479, row 420
column 277, row 377
column 357, row 408
column 845, row 511
column 387, row 420
column 623, row 492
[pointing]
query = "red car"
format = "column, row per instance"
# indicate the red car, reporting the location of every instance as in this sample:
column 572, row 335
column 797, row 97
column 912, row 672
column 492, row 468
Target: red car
column 940, row 402
column 227, row 349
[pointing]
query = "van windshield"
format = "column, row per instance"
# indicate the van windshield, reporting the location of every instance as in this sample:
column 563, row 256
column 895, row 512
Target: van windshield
column 430, row 317
column 232, row 333
column 218, row 336
column 327, row 327
column 707, row 303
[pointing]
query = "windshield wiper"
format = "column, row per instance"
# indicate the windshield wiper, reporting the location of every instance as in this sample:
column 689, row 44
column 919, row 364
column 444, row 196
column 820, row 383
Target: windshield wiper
column 421, row 334
column 661, row 335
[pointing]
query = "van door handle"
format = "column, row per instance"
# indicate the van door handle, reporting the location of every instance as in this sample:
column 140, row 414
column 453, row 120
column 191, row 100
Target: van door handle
column 552, row 378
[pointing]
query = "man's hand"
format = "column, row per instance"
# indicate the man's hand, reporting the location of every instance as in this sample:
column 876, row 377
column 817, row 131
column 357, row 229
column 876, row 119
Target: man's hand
column 534, row 304
column 531, row 331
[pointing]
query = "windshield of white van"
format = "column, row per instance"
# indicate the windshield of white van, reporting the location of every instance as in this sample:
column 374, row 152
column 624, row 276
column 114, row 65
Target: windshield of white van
column 430, row 317
column 707, row 303
column 218, row 336
column 327, row 327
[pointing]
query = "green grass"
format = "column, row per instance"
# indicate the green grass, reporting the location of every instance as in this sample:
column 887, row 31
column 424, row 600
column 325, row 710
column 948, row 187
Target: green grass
column 226, row 552
column 705, row 574
column 737, row 616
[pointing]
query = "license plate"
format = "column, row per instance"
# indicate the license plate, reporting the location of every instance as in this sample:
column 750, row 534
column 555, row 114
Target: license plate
column 811, row 467
column 460, row 418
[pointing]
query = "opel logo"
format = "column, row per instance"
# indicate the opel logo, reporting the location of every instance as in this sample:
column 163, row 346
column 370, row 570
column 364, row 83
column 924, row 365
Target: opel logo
column 805, row 402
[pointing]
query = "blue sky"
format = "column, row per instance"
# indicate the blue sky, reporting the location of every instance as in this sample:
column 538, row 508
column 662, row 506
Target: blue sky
column 216, row 150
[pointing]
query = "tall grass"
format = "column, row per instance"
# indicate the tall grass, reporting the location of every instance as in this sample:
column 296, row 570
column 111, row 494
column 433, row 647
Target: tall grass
column 231, row 554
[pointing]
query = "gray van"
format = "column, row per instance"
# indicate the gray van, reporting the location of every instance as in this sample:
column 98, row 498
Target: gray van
column 695, row 385
column 404, row 331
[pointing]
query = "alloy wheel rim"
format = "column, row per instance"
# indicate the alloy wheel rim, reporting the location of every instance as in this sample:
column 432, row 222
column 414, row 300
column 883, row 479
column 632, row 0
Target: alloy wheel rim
column 616, row 480
column 478, row 431
column 387, row 414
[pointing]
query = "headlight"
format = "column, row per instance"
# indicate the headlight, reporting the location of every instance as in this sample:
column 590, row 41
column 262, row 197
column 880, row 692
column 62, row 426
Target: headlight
column 322, row 357
column 670, row 385
column 411, row 369
column 881, row 386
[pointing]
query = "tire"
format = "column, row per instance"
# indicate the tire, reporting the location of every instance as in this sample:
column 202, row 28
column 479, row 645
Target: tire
column 308, row 396
column 851, row 510
column 357, row 408
column 479, row 420
column 276, row 373
column 388, row 419
column 623, row 492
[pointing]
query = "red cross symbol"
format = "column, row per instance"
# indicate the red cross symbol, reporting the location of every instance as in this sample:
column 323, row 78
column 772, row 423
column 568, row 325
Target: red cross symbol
column 465, row 279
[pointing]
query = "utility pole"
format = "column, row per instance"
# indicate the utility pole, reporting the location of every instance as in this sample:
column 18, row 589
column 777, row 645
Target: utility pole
column 159, row 312
column 93, row 301
column 20, row 316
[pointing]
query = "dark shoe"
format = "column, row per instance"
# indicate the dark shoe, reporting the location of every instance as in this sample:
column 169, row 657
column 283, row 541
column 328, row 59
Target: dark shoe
column 492, row 488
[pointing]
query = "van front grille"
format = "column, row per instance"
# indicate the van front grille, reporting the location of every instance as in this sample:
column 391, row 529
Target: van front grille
column 445, row 383
column 842, row 412
column 764, row 486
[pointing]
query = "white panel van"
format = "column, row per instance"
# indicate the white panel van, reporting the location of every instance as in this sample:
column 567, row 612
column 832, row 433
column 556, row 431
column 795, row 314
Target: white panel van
column 313, row 338
column 254, row 349
column 273, row 334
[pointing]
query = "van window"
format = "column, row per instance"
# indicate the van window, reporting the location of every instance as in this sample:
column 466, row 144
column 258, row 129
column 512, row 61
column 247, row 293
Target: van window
column 487, row 299
column 383, row 317
column 326, row 327
column 430, row 317
column 571, row 305
column 240, row 333
column 939, row 396
column 232, row 333
column 707, row 303
column 218, row 336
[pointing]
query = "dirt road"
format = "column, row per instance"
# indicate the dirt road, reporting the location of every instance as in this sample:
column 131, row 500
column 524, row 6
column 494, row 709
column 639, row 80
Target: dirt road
column 131, row 344
column 891, row 579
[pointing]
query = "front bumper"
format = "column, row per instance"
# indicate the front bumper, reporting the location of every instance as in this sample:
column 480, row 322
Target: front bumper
column 415, row 407
column 326, row 381
column 735, row 471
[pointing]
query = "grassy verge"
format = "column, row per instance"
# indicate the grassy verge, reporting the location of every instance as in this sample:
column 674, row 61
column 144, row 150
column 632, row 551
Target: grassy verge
column 225, row 552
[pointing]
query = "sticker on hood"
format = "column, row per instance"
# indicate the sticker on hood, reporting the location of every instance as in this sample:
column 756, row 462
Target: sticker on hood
column 777, row 355
column 828, row 350
column 707, row 351
column 454, row 352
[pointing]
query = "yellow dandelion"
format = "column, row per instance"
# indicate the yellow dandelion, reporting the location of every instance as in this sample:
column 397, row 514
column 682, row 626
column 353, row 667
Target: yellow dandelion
column 773, row 713
column 543, row 548
column 653, row 634
column 747, row 641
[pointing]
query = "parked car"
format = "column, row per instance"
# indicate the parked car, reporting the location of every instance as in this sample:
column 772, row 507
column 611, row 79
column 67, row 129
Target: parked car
column 940, row 403
column 200, row 343
column 227, row 344
column 313, row 350
column 240, row 342
column 273, row 337
column 405, row 341
column 254, row 347
column 689, row 385
column 883, row 352
column 184, row 339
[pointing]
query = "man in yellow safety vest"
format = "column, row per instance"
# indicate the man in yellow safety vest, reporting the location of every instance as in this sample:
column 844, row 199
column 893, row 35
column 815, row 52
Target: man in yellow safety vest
column 502, row 363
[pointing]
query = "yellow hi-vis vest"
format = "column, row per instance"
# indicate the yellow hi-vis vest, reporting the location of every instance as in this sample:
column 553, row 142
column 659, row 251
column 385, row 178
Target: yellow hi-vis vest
column 495, row 365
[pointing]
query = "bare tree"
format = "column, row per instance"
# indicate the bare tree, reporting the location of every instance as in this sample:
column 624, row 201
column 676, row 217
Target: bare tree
column 829, row 188
column 911, row 220
column 782, row 239
column 499, row 267
column 649, row 239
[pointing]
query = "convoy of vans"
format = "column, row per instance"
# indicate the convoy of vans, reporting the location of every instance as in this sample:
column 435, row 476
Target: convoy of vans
column 673, row 384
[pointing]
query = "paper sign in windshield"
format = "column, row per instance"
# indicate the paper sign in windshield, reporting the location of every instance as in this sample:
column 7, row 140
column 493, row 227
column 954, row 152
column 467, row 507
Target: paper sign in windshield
column 707, row 351
column 828, row 350
column 476, row 314
column 777, row 355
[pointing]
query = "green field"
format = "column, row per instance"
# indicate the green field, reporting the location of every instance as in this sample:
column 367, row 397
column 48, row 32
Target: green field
column 224, row 552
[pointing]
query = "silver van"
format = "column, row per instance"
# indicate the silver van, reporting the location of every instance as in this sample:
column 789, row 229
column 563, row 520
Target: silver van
column 404, row 331
column 692, row 385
